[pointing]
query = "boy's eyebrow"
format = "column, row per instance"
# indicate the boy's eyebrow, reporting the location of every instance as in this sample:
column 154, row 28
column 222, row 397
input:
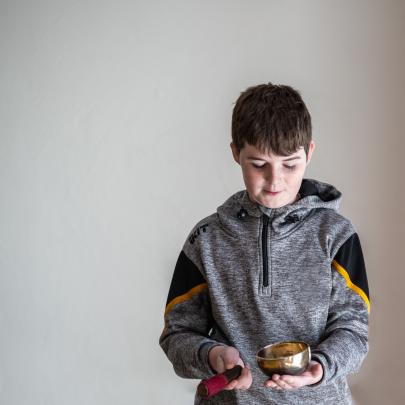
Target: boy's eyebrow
column 292, row 158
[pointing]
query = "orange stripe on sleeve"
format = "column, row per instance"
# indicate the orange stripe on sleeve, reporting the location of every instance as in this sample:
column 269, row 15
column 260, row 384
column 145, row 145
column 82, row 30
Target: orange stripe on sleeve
column 349, row 283
column 185, row 297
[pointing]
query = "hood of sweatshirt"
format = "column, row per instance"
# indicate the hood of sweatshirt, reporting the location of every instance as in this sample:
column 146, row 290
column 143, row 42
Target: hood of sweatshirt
column 238, row 211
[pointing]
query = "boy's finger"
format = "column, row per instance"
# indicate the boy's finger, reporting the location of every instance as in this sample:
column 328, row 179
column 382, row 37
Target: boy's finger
column 274, row 382
column 303, row 378
column 245, row 379
column 283, row 385
column 220, row 365
column 295, row 382
column 270, row 384
column 231, row 385
column 243, row 382
column 285, row 382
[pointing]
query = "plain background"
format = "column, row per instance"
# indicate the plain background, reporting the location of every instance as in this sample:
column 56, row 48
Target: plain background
column 114, row 142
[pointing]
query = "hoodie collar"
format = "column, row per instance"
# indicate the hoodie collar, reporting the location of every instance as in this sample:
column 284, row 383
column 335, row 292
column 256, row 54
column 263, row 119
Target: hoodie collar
column 313, row 194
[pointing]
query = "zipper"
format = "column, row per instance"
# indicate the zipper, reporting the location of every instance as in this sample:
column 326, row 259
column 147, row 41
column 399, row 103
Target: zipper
column 265, row 255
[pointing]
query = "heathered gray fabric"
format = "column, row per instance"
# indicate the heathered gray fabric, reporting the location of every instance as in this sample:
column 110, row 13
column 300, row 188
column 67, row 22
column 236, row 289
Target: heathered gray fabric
column 306, row 298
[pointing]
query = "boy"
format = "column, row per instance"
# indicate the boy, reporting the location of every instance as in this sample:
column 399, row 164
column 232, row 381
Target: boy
column 276, row 262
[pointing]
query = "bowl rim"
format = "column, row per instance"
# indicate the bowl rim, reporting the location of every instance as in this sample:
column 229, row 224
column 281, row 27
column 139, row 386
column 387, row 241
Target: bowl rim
column 306, row 348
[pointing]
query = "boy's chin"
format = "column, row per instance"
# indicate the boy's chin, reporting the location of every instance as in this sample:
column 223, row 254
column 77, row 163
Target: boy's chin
column 272, row 205
column 273, row 202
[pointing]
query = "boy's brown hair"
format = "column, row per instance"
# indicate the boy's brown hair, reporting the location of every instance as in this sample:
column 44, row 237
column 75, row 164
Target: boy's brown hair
column 272, row 118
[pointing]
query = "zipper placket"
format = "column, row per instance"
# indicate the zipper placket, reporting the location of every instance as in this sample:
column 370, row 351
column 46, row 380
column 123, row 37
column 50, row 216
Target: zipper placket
column 265, row 253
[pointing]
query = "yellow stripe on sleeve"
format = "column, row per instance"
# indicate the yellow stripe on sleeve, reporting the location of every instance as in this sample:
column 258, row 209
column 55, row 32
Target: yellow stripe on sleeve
column 349, row 283
column 185, row 297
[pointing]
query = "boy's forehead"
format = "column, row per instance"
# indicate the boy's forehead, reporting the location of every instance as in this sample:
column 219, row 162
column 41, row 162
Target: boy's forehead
column 254, row 151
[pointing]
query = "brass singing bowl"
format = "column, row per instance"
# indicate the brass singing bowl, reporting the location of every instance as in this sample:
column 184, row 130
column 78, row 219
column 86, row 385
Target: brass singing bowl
column 284, row 358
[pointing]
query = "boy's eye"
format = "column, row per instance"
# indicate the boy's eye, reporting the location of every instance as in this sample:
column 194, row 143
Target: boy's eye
column 289, row 167
column 258, row 166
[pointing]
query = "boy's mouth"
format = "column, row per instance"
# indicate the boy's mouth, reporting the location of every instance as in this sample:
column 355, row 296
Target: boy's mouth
column 272, row 192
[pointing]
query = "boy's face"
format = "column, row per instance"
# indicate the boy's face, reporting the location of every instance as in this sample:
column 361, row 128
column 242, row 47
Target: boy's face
column 272, row 180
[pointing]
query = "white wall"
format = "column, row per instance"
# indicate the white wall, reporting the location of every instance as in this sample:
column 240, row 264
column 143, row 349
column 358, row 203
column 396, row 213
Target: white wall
column 114, row 134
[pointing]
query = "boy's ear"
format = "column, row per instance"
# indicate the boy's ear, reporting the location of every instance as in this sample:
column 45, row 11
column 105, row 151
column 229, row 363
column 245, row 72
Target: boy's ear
column 310, row 151
column 235, row 153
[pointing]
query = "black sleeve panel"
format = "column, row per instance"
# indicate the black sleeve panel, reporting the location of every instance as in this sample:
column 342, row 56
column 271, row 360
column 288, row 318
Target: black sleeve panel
column 186, row 276
column 350, row 257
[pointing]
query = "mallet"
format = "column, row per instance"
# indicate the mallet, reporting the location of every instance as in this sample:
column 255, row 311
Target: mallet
column 211, row 386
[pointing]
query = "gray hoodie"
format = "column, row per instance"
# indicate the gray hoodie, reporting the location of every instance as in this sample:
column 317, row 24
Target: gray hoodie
column 249, row 276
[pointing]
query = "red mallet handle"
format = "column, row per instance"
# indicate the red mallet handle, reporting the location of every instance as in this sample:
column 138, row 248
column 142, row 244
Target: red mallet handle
column 211, row 386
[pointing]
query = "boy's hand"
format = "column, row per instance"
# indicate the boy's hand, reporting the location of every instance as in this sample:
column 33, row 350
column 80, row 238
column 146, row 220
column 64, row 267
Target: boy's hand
column 311, row 375
column 223, row 358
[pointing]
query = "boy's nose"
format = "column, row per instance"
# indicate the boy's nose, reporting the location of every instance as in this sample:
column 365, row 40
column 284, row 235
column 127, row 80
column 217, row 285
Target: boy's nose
column 273, row 178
